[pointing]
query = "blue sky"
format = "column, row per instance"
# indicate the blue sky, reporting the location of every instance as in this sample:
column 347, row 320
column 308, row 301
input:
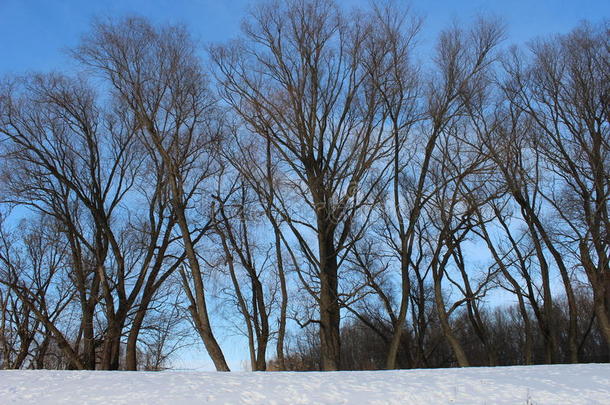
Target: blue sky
column 35, row 33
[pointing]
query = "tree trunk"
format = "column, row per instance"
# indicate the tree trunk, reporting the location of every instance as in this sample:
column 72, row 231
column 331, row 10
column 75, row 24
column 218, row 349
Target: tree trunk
column 402, row 314
column 88, row 338
column 199, row 309
column 131, row 350
column 599, row 285
column 330, row 340
column 443, row 317
column 281, row 333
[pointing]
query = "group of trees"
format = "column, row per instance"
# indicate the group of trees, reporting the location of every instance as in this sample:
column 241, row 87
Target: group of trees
column 320, row 184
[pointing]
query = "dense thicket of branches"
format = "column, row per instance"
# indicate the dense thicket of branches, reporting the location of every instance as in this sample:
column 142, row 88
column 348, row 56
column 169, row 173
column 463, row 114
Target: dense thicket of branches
column 342, row 198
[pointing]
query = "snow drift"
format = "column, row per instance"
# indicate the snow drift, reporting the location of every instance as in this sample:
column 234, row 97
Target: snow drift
column 557, row 384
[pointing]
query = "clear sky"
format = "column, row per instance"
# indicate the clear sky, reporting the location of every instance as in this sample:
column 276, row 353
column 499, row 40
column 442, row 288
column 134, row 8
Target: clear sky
column 34, row 35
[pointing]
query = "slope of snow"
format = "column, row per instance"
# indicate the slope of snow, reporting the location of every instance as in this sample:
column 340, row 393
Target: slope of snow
column 558, row 384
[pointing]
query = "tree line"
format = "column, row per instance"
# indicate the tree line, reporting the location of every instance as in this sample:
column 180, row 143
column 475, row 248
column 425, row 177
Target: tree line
column 340, row 197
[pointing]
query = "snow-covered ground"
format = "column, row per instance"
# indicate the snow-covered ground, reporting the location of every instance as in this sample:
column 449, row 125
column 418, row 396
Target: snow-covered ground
column 561, row 384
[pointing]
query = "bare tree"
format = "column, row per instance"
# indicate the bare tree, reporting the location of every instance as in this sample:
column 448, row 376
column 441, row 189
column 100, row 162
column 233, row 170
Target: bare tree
column 563, row 91
column 156, row 75
column 463, row 64
column 237, row 229
column 302, row 81
column 58, row 164
column 76, row 159
column 33, row 264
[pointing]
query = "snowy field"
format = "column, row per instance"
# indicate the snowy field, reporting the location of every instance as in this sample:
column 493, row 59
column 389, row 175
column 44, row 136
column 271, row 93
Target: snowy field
column 561, row 384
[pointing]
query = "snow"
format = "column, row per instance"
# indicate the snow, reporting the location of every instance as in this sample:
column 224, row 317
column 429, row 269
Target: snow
column 535, row 385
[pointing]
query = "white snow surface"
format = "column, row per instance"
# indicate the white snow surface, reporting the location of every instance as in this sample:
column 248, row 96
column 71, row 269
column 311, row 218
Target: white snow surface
column 526, row 385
